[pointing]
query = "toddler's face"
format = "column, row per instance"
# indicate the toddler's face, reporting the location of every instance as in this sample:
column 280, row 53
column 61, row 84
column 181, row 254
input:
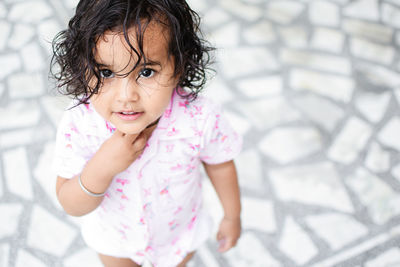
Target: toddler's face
column 132, row 100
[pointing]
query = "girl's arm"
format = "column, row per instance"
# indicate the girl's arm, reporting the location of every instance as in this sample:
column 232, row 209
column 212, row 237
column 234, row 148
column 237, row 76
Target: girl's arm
column 113, row 157
column 224, row 179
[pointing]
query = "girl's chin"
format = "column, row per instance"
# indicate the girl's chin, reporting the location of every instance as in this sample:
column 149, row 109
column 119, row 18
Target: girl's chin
column 130, row 131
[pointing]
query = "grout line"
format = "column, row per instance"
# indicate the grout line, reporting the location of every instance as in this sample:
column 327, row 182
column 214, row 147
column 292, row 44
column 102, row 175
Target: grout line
column 366, row 245
column 61, row 11
column 207, row 257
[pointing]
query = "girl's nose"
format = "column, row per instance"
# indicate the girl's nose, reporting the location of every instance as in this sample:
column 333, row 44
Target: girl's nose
column 128, row 90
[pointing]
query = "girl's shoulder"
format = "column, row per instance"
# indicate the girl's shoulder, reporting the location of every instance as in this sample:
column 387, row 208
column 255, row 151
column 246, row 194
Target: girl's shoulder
column 83, row 117
column 76, row 113
column 198, row 109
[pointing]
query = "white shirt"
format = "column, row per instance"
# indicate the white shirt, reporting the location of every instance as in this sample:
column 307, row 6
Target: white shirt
column 153, row 208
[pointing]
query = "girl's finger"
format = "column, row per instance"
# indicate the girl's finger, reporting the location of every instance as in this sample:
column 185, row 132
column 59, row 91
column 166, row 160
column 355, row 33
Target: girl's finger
column 219, row 236
column 221, row 244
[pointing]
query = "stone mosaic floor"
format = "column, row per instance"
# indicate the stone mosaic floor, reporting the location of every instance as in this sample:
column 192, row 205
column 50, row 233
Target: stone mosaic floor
column 314, row 87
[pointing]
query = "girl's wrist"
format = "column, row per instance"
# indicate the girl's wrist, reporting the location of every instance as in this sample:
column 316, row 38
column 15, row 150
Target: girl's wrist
column 232, row 217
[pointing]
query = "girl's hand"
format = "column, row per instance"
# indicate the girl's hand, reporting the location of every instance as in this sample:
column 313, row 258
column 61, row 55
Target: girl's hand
column 228, row 233
column 119, row 151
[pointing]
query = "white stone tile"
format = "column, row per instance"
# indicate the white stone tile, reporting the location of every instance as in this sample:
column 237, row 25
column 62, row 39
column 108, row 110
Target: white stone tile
column 74, row 3
column 260, row 33
column 21, row 34
column 336, row 229
column 248, row 165
column 291, row 143
column 391, row 15
column 382, row 202
column 17, row 173
column 397, row 94
column 33, row 58
column 317, row 61
column 336, row 87
column 225, row 36
column 378, row 75
column 23, row 85
column 24, row 114
column 341, row 2
column 250, row 252
column 11, row 212
column 30, row 11
column 319, row 110
column 327, row 40
column 239, row 123
column 373, row 106
column 253, row 1
column 363, row 9
column 363, row 49
column 4, row 255
column 258, row 214
column 13, row 1
column 198, row 6
column 206, row 257
column 390, row 257
column 324, row 13
column 397, row 38
column 295, row 243
column 350, row 141
column 242, row 10
column 389, row 135
column 84, row 257
column 218, row 90
column 24, row 259
column 396, row 172
column 261, row 86
column 47, row 30
column 215, row 17
column 48, row 233
column 294, row 36
column 370, row 30
column 54, row 107
column 1, row 89
column 239, row 62
column 277, row 108
column 378, row 159
column 5, row 29
column 1, row 185
column 9, row 63
column 284, row 11
column 44, row 173
column 310, row 184
column 3, row 10
column 28, row 136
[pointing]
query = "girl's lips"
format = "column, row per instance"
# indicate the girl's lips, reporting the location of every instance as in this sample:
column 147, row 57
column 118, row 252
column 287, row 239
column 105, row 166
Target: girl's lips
column 129, row 116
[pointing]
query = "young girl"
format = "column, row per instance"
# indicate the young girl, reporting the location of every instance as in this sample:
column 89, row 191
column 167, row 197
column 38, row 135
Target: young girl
column 130, row 148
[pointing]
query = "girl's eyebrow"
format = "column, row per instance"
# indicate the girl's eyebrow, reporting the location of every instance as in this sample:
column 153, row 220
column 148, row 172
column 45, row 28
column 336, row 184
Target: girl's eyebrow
column 149, row 63
column 142, row 64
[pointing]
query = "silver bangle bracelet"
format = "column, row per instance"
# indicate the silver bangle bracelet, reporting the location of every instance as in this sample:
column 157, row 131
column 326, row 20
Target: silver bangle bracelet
column 84, row 189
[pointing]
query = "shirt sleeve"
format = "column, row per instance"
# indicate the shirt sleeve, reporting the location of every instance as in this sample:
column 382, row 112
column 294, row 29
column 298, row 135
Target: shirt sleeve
column 69, row 158
column 221, row 143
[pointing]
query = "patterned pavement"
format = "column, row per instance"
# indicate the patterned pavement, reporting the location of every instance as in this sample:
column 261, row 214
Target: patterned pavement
column 313, row 86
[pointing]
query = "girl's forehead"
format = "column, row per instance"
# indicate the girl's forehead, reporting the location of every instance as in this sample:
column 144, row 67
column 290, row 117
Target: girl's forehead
column 112, row 47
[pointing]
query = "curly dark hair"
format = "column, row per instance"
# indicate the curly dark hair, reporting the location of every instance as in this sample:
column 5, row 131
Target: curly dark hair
column 73, row 64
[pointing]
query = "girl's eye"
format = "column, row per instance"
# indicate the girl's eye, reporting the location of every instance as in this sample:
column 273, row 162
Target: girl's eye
column 106, row 73
column 146, row 73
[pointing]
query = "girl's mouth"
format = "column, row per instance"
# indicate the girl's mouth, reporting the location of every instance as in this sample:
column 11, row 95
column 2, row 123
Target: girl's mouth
column 129, row 116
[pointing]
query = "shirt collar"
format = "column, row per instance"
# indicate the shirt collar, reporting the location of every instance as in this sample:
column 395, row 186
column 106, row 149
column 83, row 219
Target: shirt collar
column 172, row 124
